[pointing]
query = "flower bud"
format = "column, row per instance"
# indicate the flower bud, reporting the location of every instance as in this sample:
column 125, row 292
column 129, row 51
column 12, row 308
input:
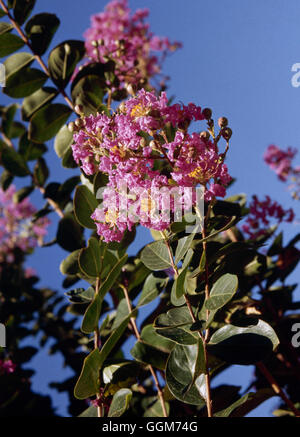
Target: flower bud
column 72, row 127
column 207, row 113
column 122, row 108
column 222, row 122
column 78, row 109
column 94, row 43
column 143, row 142
column 204, row 135
column 79, row 123
column 226, row 133
column 129, row 89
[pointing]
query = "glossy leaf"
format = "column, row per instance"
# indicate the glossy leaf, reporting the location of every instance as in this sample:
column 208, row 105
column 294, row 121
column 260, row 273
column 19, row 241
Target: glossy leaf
column 88, row 382
column 22, row 10
column 85, row 204
column 181, row 375
column 239, row 345
column 14, row 162
column 63, row 60
column 40, row 29
column 152, row 288
column 16, row 62
column 90, row 258
column 92, row 315
column 69, row 234
column 9, row 43
column 37, row 100
column 155, row 256
column 69, row 266
column 47, row 121
column 222, row 292
column 63, row 141
column 120, row 402
column 113, row 275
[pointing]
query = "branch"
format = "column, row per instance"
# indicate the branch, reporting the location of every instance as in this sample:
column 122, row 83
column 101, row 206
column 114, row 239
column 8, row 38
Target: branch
column 277, row 389
column 138, row 337
column 37, row 57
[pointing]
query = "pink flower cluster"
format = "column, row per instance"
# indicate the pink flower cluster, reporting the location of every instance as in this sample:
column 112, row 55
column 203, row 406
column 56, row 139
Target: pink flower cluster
column 264, row 213
column 125, row 38
column 7, row 366
column 133, row 148
column 16, row 228
column 280, row 161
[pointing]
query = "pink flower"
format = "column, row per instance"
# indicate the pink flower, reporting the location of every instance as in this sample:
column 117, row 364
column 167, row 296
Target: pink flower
column 132, row 148
column 16, row 228
column 262, row 214
column 127, row 40
column 7, row 366
column 280, row 161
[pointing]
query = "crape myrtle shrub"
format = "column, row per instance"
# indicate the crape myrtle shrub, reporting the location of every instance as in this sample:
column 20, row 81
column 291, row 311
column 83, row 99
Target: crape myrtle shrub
column 221, row 294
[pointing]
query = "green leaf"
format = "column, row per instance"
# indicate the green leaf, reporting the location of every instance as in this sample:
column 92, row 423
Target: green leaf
column 147, row 354
column 63, row 141
column 120, row 402
column 179, row 288
column 70, row 266
column 80, row 295
column 181, row 335
column 5, row 27
column 152, row 288
column 47, row 121
column 182, row 375
column 9, row 43
column 29, row 150
column 92, row 315
column 40, row 29
column 22, row 193
column 222, row 292
column 88, row 92
column 113, row 275
column 6, row 179
column 121, row 313
column 246, row 403
column 88, row 382
column 89, row 412
column 37, row 100
column 63, row 60
column 183, row 246
column 155, row 256
column 239, row 345
column 90, row 259
column 69, row 234
column 68, row 160
column 156, row 410
column 16, row 62
column 22, row 10
column 150, row 336
column 85, row 204
column 173, row 318
column 40, row 172
column 14, row 162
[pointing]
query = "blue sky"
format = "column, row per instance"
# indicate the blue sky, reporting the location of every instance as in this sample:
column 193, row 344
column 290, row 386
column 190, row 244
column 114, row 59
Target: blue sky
column 236, row 58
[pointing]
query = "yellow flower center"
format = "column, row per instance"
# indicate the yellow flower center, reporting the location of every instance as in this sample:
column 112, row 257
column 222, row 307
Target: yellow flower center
column 111, row 217
column 147, row 204
column 139, row 111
